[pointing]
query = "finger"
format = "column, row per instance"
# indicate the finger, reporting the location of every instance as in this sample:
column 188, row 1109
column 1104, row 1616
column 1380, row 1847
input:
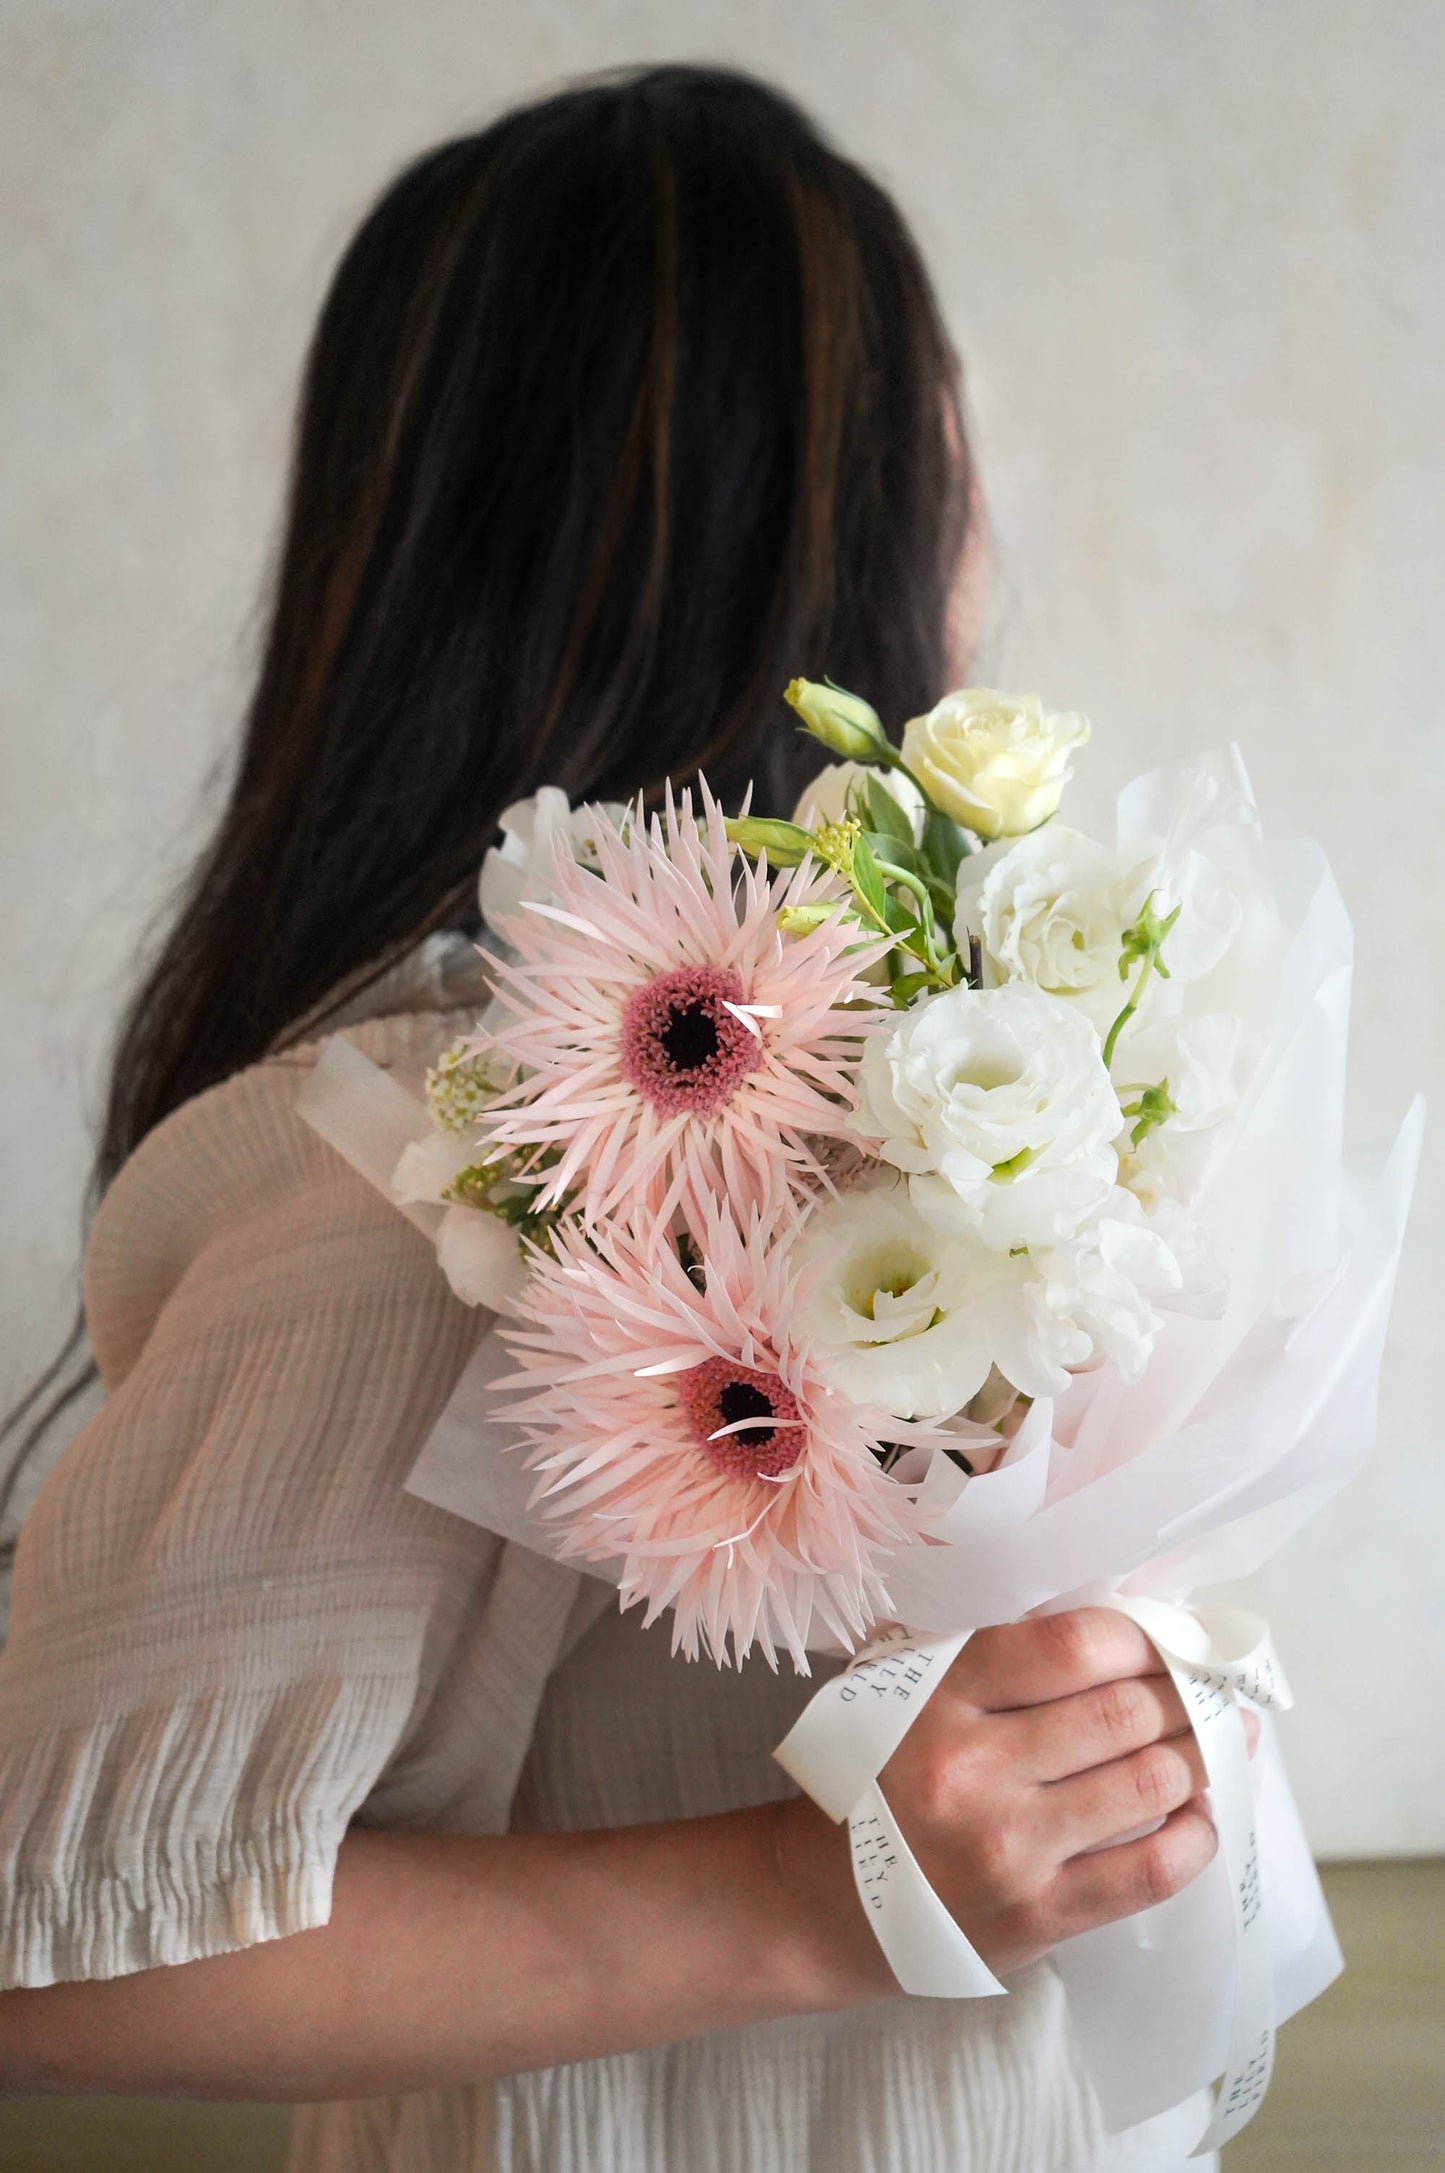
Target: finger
column 1114, row 1800
column 1092, row 1728
column 1119, row 1882
column 1051, row 1656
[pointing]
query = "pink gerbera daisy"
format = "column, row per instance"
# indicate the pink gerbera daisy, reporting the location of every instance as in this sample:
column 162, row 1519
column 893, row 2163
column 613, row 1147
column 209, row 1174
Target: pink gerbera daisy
column 680, row 1433
column 673, row 1043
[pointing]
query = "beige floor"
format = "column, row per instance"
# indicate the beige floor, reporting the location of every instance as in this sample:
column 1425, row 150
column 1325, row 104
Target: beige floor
column 1360, row 2082
column 1359, row 2086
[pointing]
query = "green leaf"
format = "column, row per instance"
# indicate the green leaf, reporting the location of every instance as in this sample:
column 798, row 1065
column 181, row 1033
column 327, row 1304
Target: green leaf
column 893, row 851
column 886, row 817
column 945, row 847
column 907, row 986
column 900, row 919
column 868, row 882
column 942, row 895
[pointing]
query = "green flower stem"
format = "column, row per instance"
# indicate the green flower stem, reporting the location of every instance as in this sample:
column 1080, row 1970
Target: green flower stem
column 1145, row 941
column 926, row 926
column 891, row 759
column 1129, row 1009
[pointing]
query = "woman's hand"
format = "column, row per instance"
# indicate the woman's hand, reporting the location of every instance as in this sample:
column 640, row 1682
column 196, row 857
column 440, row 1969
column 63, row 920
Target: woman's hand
column 1046, row 1746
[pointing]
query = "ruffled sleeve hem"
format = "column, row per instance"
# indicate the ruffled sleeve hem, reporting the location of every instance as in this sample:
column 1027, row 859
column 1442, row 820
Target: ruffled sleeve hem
column 103, row 1928
column 173, row 1833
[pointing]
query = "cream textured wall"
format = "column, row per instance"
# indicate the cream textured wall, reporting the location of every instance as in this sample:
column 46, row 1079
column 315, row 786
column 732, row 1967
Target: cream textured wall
column 1192, row 255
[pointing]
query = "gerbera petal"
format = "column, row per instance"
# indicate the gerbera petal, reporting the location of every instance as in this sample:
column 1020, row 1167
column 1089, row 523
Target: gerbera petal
column 674, row 1429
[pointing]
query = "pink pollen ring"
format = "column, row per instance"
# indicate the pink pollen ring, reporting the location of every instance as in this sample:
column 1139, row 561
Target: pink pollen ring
column 768, row 1433
column 682, row 1048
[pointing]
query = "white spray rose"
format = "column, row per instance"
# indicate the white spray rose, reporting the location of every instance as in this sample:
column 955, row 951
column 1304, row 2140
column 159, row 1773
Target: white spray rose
column 826, row 798
column 519, row 870
column 888, row 1303
column 429, row 1167
column 1002, row 1093
column 997, row 763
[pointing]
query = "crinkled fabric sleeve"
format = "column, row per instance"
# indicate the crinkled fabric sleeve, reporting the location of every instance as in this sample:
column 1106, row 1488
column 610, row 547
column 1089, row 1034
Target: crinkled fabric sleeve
column 227, row 1615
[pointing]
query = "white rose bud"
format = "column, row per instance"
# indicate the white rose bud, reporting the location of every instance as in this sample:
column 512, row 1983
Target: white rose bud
column 844, row 722
column 997, row 763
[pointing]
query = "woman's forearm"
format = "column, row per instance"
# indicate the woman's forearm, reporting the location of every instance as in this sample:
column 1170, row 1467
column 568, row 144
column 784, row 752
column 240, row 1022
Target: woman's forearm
column 448, row 1960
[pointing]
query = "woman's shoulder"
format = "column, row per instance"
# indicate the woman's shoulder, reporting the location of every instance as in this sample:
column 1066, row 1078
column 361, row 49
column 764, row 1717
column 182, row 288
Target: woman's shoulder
column 234, row 1182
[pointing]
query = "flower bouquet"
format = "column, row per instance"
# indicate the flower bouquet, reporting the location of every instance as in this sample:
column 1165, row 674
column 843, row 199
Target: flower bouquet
column 908, row 1216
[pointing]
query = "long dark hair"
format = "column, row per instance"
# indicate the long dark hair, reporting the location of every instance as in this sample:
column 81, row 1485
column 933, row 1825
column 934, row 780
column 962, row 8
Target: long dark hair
column 619, row 413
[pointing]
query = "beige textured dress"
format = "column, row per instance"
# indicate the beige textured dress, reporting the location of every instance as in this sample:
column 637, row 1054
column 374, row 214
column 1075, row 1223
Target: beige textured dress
column 233, row 1633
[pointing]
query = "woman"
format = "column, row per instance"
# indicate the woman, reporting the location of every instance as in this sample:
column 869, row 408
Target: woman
column 618, row 413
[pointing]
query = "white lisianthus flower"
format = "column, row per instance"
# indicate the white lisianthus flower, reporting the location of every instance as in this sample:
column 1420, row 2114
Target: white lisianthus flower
column 481, row 1258
column 1206, row 1065
column 478, row 1252
column 1003, row 1095
column 519, row 870
column 997, row 763
column 826, row 798
column 1109, row 1280
column 903, row 1306
column 429, row 1167
column 887, row 1303
column 1052, row 910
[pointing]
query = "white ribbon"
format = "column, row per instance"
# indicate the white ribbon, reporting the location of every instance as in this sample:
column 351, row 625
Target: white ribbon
column 852, row 1726
column 835, row 1751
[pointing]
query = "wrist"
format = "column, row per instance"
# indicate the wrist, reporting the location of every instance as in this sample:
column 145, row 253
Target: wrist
column 835, row 1959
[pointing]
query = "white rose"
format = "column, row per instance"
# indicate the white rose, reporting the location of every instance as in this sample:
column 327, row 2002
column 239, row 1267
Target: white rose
column 826, row 799
column 1002, row 1094
column 997, row 763
column 519, row 870
column 887, row 1303
column 1053, row 910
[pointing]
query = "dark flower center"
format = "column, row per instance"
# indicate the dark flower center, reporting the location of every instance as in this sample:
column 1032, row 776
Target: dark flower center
column 741, row 1399
column 681, row 1047
column 690, row 1036
column 771, row 1434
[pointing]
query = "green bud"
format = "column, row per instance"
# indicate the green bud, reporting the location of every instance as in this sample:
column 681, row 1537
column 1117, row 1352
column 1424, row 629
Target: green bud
column 786, row 844
column 801, row 920
column 1153, row 1106
column 1146, row 939
column 843, row 722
